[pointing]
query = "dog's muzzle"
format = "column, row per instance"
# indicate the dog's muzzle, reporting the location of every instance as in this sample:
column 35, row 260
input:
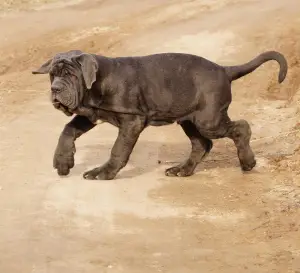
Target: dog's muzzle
column 61, row 107
column 56, row 103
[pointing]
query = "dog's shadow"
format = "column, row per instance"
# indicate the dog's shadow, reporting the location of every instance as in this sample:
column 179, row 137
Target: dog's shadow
column 147, row 154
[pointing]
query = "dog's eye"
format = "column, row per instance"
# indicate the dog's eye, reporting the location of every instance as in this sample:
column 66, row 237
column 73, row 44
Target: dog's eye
column 53, row 72
column 65, row 73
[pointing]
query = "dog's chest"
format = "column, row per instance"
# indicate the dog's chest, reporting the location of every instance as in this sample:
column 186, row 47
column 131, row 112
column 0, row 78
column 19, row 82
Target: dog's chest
column 90, row 113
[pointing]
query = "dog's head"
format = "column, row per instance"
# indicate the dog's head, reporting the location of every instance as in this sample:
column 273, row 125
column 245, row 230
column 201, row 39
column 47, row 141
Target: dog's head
column 71, row 74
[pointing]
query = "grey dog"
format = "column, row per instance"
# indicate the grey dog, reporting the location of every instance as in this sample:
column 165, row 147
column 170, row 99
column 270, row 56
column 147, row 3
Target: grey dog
column 135, row 92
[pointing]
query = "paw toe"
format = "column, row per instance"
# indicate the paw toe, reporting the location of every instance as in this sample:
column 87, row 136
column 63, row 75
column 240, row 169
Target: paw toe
column 177, row 171
column 63, row 172
column 63, row 164
column 172, row 171
column 248, row 166
column 89, row 176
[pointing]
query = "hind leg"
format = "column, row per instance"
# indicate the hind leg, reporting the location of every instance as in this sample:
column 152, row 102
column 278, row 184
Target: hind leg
column 240, row 132
column 200, row 148
column 221, row 126
column 213, row 122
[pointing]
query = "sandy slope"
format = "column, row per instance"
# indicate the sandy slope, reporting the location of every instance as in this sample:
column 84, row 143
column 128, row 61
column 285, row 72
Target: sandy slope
column 218, row 220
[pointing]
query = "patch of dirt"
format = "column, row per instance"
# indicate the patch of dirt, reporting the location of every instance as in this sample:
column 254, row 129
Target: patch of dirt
column 25, row 5
column 218, row 220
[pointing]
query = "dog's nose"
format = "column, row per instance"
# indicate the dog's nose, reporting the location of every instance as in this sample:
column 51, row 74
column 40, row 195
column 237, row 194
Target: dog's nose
column 55, row 89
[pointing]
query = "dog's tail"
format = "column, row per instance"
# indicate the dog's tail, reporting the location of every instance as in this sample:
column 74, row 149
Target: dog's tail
column 236, row 72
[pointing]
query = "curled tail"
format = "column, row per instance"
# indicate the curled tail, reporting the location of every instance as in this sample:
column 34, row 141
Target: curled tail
column 235, row 72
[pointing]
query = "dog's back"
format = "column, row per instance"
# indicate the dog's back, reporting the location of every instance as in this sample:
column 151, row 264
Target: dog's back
column 172, row 84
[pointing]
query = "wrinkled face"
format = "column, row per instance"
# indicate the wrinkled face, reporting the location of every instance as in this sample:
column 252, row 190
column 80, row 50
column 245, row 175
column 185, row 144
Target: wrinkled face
column 71, row 74
column 67, row 86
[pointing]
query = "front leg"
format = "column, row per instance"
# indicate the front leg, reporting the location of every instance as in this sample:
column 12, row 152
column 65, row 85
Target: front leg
column 129, row 130
column 63, row 159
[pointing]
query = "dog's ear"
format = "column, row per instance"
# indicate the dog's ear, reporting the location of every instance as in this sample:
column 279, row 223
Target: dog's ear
column 89, row 68
column 44, row 69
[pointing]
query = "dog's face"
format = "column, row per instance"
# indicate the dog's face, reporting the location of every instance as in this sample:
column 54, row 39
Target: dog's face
column 71, row 74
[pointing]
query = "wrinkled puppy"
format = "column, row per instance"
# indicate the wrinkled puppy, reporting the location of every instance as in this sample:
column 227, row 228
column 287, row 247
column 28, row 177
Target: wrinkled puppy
column 135, row 92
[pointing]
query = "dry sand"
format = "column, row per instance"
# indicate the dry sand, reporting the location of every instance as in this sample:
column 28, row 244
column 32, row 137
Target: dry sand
column 219, row 220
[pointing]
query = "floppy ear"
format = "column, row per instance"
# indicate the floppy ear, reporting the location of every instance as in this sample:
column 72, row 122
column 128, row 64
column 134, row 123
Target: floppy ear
column 44, row 69
column 89, row 67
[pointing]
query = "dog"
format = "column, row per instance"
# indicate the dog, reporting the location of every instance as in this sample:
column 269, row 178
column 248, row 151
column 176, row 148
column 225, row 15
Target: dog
column 132, row 93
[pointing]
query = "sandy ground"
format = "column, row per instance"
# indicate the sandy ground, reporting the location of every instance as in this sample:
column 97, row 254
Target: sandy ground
column 219, row 220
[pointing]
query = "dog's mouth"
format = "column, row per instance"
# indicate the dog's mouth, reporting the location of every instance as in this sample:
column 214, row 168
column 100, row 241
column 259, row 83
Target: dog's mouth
column 62, row 108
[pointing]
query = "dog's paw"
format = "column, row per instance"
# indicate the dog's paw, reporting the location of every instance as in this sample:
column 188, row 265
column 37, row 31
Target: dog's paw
column 248, row 166
column 100, row 173
column 63, row 163
column 178, row 171
column 63, row 160
column 247, row 160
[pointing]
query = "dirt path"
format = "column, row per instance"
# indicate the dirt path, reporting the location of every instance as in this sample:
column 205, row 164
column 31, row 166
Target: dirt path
column 219, row 220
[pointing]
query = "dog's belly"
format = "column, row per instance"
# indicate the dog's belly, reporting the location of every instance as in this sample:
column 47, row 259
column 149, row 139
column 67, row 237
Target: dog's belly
column 161, row 122
column 171, row 104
